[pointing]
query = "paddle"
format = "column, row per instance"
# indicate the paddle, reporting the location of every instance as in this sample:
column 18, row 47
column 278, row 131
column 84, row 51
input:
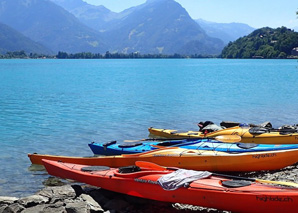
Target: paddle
column 158, row 167
column 221, row 138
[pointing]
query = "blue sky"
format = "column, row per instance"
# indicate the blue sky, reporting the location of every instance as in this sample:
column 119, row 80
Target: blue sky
column 256, row 13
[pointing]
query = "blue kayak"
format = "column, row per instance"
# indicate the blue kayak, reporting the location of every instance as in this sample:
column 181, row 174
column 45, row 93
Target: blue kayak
column 114, row 148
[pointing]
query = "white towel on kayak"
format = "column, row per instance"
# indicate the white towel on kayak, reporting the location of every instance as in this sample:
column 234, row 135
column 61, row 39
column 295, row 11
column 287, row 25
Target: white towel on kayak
column 181, row 177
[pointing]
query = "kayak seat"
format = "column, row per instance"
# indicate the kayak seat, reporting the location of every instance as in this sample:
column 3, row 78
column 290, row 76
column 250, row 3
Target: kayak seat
column 246, row 145
column 129, row 169
column 94, row 168
column 131, row 173
column 171, row 143
column 229, row 124
column 258, row 130
column 287, row 131
column 235, row 183
column 129, row 145
column 109, row 143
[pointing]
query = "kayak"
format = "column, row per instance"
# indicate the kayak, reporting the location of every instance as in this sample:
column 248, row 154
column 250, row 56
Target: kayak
column 114, row 148
column 248, row 134
column 182, row 186
column 189, row 159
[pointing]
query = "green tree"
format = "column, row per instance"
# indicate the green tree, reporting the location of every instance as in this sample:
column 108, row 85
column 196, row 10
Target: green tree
column 265, row 42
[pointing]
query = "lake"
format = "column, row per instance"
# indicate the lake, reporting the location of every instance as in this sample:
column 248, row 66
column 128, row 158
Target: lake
column 59, row 106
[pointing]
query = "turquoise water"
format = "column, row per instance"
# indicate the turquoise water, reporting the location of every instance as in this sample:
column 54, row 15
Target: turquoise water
column 59, row 106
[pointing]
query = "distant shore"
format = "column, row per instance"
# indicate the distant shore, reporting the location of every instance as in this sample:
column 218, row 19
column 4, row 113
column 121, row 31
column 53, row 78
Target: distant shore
column 108, row 55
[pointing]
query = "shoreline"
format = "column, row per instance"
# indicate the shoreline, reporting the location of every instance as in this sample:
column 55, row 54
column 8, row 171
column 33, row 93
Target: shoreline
column 79, row 198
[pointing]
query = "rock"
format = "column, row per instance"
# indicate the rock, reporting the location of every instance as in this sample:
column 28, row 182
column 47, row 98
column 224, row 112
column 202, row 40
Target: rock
column 35, row 209
column 2, row 208
column 94, row 206
column 7, row 200
column 56, row 193
column 45, row 208
column 78, row 189
column 53, row 181
column 77, row 207
column 33, row 200
column 97, row 195
column 51, row 209
column 14, row 208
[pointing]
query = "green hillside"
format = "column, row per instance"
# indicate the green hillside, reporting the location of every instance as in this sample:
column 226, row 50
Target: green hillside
column 12, row 40
column 263, row 43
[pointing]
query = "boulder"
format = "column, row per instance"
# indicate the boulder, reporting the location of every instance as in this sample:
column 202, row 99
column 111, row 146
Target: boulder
column 33, row 200
column 7, row 200
column 58, row 193
column 93, row 205
column 77, row 207
column 14, row 208
column 35, row 209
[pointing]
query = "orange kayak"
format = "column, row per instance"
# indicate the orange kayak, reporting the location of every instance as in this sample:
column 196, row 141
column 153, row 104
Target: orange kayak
column 247, row 135
column 189, row 159
column 208, row 191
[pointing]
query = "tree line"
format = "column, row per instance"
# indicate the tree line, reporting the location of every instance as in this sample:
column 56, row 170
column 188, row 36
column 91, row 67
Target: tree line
column 23, row 55
column 88, row 55
column 108, row 55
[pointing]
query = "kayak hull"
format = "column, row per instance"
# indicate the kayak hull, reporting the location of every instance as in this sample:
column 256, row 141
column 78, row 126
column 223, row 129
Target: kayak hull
column 247, row 137
column 189, row 159
column 207, row 192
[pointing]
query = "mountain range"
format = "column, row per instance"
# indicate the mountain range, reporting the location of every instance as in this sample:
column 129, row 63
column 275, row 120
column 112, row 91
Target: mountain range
column 157, row 26
column 12, row 40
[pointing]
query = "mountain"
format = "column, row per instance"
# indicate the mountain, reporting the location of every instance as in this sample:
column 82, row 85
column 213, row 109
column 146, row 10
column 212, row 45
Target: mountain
column 12, row 40
column 157, row 26
column 263, row 43
column 225, row 31
column 49, row 24
column 93, row 16
column 160, row 26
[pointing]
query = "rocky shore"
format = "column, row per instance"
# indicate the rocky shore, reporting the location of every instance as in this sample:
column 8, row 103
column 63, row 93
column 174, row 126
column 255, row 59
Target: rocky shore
column 66, row 197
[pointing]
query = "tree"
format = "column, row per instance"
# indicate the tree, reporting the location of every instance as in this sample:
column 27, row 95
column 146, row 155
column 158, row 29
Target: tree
column 264, row 43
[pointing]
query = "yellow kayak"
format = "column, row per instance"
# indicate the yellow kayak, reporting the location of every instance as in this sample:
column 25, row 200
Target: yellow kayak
column 248, row 134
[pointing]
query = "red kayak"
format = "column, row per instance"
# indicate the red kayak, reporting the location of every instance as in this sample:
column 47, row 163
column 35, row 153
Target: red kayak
column 148, row 180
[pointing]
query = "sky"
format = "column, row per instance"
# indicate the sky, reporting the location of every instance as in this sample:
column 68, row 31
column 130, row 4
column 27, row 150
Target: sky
column 256, row 13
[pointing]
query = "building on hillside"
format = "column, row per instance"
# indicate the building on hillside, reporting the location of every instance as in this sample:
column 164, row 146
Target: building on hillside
column 294, row 51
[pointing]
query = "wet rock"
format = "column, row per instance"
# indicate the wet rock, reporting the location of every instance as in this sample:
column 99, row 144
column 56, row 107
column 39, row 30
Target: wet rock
column 53, row 181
